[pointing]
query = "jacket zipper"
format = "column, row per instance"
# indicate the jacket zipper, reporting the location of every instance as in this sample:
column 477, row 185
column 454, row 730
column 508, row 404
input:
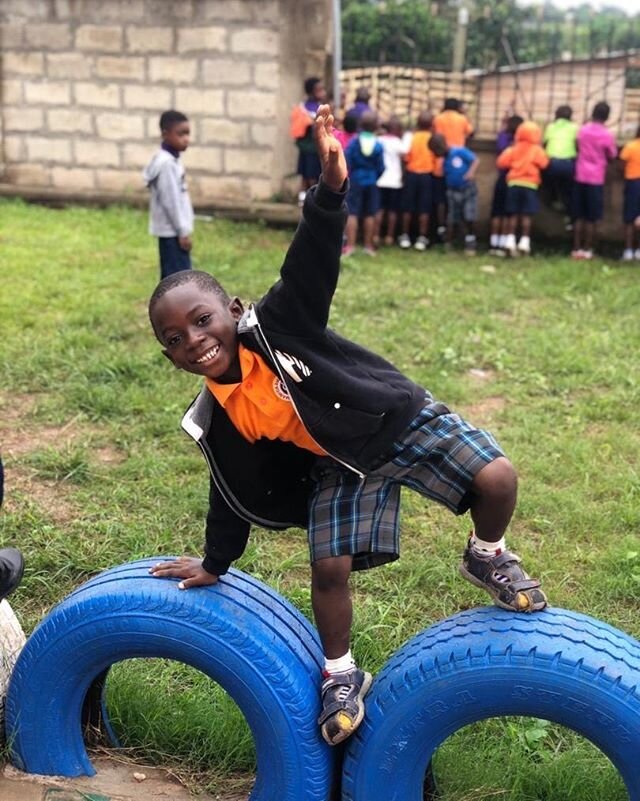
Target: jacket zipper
column 295, row 408
column 233, row 501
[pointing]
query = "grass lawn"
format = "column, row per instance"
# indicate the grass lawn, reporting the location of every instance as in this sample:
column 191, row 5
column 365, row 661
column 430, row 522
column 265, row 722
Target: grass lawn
column 542, row 351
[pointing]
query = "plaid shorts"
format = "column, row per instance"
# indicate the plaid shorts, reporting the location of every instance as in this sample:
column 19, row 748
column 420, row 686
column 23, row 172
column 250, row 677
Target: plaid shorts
column 438, row 456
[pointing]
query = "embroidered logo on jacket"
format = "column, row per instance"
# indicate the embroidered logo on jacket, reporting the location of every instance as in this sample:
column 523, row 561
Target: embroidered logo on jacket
column 292, row 366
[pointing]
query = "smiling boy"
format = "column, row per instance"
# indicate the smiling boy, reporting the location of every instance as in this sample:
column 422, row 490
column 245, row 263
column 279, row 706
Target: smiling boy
column 302, row 427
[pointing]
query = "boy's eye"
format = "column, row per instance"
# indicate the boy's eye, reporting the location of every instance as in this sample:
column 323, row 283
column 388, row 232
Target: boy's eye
column 173, row 340
column 204, row 319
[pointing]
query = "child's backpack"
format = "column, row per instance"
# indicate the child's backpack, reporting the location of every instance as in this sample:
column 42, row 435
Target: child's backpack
column 299, row 122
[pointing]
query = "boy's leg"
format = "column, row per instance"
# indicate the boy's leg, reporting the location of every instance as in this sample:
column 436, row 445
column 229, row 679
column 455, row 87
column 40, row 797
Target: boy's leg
column 368, row 226
column 345, row 685
column 392, row 219
column 173, row 258
column 448, row 460
column 331, row 601
column 486, row 561
column 351, row 231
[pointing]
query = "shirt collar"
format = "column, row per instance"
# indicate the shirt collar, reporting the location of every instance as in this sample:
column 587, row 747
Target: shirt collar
column 222, row 392
column 169, row 149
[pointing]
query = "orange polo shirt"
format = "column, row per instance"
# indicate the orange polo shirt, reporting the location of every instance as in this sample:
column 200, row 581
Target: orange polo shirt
column 630, row 154
column 259, row 406
column 455, row 128
column 420, row 158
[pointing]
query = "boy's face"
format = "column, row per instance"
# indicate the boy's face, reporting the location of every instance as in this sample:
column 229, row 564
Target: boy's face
column 177, row 136
column 319, row 93
column 199, row 332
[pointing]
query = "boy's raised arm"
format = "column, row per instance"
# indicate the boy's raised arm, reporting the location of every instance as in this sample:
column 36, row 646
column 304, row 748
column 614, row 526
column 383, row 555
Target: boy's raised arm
column 301, row 299
column 332, row 158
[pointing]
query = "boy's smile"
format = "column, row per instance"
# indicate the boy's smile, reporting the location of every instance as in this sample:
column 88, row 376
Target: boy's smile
column 199, row 332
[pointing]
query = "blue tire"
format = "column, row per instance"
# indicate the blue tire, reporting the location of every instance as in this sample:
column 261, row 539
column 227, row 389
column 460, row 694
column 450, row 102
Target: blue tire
column 240, row 633
column 557, row 665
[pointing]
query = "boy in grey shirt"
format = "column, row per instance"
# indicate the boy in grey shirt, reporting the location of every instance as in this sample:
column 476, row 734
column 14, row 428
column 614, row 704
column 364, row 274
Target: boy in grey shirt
column 170, row 210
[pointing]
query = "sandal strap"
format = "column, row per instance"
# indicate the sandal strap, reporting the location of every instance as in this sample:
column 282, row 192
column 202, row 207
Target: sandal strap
column 337, row 706
column 524, row 584
column 504, row 558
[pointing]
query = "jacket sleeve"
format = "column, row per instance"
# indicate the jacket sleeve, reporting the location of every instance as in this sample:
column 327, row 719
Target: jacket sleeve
column 299, row 302
column 226, row 534
column 169, row 192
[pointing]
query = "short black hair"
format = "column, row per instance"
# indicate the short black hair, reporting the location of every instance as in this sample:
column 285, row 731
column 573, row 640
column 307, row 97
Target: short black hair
column 438, row 144
column 601, row 111
column 514, row 122
column 369, row 121
column 310, row 84
column 362, row 95
column 451, row 104
column 350, row 123
column 564, row 112
column 204, row 281
column 170, row 118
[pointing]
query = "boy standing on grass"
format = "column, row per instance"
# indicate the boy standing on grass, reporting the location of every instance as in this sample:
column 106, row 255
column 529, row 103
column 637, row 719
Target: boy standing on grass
column 459, row 169
column 365, row 162
column 524, row 162
column 417, row 194
column 302, row 427
column 630, row 155
column 596, row 147
column 170, row 209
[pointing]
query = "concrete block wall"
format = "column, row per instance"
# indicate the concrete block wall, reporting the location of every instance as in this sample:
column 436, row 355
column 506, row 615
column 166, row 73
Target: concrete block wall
column 83, row 83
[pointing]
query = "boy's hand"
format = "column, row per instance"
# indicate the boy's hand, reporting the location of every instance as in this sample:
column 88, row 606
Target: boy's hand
column 188, row 568
column 334, row 164
column 185, row 243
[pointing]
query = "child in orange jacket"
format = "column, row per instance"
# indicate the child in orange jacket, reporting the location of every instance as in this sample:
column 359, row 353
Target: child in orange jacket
column 524, row 160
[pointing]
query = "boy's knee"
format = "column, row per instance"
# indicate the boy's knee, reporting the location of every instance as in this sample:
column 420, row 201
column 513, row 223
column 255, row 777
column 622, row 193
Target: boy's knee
column 330, row 573
column 498, row 479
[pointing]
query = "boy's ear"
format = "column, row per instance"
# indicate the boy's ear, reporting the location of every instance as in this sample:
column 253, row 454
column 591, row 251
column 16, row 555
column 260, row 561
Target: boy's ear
column 170, row 357
column 236, row 308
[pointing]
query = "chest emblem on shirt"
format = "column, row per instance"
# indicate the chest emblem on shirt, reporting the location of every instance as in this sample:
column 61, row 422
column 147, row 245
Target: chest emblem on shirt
column 280, row 389
column 292, row 366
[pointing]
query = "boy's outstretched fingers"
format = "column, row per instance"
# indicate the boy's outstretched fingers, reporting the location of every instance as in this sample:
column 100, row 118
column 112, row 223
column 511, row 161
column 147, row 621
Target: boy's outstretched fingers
column 334, row 165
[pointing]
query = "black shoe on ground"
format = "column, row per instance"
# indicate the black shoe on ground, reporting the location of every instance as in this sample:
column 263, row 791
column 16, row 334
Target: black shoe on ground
column 11, row 570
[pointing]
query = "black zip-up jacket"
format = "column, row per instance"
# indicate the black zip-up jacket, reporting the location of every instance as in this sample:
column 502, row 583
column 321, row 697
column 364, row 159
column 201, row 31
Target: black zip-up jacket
column 351, row 401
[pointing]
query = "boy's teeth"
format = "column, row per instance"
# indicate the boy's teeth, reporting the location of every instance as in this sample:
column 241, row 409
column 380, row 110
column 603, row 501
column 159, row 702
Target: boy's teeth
column 208, row 355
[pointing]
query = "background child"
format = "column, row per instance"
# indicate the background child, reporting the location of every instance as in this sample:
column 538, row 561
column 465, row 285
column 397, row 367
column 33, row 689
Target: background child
column 365, row 163
column 459, row 166
column 630, row 155
column 560, row 144
column 170, row 209
column 348, row 132
column 301, row 131
column 456, row 129
column 417, row 197
column 394, row 147
column 596, row 147
column 524, row 161
column 304, row 427
column 499, row 219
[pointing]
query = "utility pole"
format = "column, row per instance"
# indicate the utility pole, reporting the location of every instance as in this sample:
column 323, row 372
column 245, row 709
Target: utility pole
column 460, row 39
column 337, row 51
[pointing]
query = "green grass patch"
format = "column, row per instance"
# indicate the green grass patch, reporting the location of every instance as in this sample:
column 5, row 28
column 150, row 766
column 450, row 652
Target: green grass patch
column 542, row 351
